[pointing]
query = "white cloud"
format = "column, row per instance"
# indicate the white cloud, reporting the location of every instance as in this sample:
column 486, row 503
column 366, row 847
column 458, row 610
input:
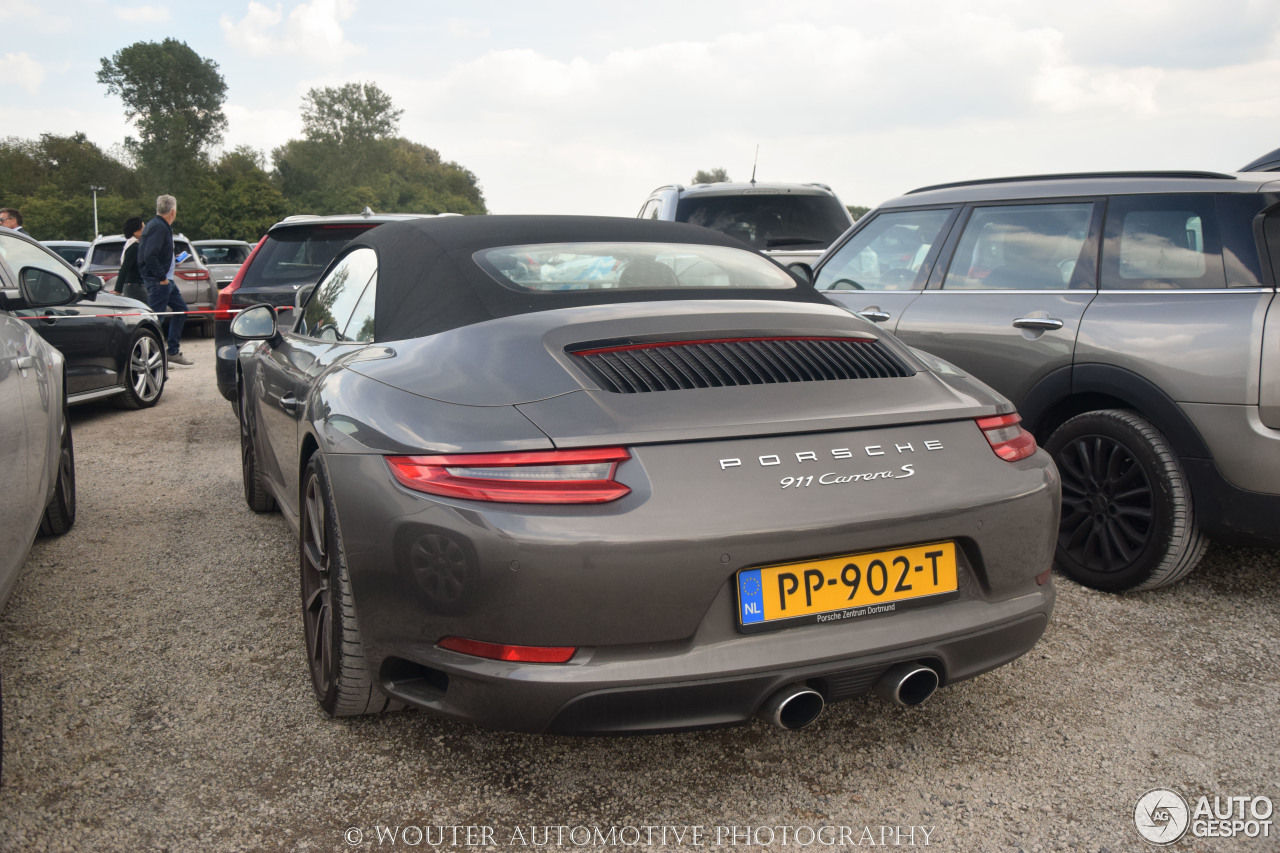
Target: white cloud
column 312, row 30
column 143, row 14
column 21, row 70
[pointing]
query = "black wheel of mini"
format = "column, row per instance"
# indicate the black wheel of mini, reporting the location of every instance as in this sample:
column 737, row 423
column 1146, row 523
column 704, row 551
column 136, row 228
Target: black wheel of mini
column 144, row 372
column 335, row 652
column 256, row 494
column 60, row 513
column 1127, row 518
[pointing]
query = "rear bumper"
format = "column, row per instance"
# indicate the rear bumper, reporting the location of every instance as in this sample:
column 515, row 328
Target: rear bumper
column 604, row 694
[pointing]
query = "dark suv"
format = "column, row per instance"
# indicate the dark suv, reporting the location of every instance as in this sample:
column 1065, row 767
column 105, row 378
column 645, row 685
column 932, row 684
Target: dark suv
column 287, row 260
column 792, row 223
column 1132, row 319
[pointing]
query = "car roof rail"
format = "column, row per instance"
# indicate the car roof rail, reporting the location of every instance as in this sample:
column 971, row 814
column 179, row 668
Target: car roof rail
column 1077, row 176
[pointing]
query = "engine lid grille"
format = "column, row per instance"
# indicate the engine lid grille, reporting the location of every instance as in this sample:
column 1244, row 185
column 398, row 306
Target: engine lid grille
column 636, row 368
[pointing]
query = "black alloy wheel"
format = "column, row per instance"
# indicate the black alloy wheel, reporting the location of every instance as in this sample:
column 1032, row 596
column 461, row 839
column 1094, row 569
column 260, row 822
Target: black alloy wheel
column 144, row 373
column 335, row 652
column 1127, row 518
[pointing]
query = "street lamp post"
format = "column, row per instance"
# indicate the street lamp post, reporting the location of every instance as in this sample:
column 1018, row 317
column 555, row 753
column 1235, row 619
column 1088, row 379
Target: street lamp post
column 96, row 190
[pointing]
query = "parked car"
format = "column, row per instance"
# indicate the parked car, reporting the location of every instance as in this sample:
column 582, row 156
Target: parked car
column 222, row 258
column 113, row 345
column 505, row 491
column 103, row 260
column 792, row 223
column 1131, row 318
column 37, row 457
column 71, row 251
column 288, row 260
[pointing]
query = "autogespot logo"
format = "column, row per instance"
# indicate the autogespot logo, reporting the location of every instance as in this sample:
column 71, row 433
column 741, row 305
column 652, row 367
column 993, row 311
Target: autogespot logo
column 1161, row 816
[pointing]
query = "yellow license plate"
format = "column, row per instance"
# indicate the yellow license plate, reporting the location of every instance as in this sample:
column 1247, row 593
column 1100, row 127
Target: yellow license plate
column 845, row 587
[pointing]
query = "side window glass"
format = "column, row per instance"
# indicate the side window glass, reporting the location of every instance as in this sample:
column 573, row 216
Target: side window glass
column 888, row 253
column 360, row 326
column 1020, row 247
column 334, row 298
column 18, row 254
column 1162, row 242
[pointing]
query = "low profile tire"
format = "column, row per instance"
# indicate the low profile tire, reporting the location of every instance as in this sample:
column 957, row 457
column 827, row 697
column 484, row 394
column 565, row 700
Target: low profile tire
column 256, row 494
column 1127, row 516
column 335, row 652
column 60, row 514
column 144, row 373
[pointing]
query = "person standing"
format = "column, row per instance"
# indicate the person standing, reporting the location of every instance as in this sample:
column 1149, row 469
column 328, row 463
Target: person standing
column 155, row 263
column 11, row 218
column 129, row 279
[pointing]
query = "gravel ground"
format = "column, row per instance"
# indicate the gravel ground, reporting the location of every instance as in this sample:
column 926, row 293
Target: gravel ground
column 157, row 698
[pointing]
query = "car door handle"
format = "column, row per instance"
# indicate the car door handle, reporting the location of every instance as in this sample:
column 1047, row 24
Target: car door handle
column 874, row 315
column 26, row 362
column 1042, row 323
column 289, row 404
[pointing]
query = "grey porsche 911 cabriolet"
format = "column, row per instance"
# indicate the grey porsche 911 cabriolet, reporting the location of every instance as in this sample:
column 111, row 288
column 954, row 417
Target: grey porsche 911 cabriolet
column 592, row 475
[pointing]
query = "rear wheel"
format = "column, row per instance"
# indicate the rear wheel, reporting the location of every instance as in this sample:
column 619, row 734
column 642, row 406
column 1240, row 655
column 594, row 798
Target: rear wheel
column 1127, row 516
column 60, row 514
column 144, row 373
column 335, row 652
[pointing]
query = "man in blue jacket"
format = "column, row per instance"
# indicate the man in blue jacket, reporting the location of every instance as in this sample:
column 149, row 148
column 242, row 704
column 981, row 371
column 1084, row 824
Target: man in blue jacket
column 155, row 262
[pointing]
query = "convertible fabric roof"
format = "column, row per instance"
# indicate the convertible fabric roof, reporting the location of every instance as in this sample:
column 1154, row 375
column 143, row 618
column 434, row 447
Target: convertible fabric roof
column 429, row 283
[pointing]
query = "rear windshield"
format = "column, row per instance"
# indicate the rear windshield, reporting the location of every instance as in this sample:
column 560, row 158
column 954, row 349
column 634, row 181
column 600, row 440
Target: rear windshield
column 108, row 254
column 224, row 254
column 551, row 267
column 296, row 256
column 769, row 221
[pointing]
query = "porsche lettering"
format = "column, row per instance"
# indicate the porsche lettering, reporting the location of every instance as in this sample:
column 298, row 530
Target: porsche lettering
column 770, row 460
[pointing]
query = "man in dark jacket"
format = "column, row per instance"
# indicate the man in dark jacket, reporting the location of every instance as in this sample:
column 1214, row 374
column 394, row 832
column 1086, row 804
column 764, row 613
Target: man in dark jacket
column 155, row 262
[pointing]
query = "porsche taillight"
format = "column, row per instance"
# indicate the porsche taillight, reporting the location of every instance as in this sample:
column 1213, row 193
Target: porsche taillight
column 1007, row 437
column 539, row 477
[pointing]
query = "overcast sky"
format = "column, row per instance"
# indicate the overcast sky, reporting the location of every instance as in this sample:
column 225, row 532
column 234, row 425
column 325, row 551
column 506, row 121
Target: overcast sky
column 584, row 107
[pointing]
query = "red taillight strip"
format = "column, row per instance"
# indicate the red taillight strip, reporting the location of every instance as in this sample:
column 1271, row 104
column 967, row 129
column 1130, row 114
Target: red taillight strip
column 196, row 275
column 1007, row 437
column 662, row 344
column 529, row 477
column 501, row 651
column 223, row 310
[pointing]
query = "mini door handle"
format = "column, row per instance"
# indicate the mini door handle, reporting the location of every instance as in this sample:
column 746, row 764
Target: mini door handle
column 289, row 404
column 1043, row 323
column 874, row 316
column 26, row 362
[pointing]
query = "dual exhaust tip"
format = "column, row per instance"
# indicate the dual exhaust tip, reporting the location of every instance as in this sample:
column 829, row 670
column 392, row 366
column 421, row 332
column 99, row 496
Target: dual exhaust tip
column 797, row 705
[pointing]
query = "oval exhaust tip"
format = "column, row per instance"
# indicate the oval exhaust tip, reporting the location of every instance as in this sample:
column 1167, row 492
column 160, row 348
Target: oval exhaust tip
column 908, row 684
column 793, row 707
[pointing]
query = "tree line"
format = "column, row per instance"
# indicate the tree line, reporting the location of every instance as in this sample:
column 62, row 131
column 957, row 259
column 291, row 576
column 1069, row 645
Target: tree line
column 350, row 157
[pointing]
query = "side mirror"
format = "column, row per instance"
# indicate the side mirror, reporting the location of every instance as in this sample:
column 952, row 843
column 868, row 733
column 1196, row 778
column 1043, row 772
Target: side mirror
column 41, row 288
column 802, row 271
column 93, row 285
column 79, row 262
column 255, row 323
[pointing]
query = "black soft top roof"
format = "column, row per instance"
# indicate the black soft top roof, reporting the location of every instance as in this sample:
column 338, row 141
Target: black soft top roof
column 429, row 283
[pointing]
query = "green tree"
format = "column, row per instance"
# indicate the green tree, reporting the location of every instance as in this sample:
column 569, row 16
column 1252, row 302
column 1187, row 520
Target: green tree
column 174, row 97
column 715, row 176
column 50, row 179
column 349, row 115
column 856, row 211
column 234, row 199
column 350, row 159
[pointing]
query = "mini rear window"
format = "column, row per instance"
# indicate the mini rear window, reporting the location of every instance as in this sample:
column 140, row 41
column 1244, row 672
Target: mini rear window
column 559, row 267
